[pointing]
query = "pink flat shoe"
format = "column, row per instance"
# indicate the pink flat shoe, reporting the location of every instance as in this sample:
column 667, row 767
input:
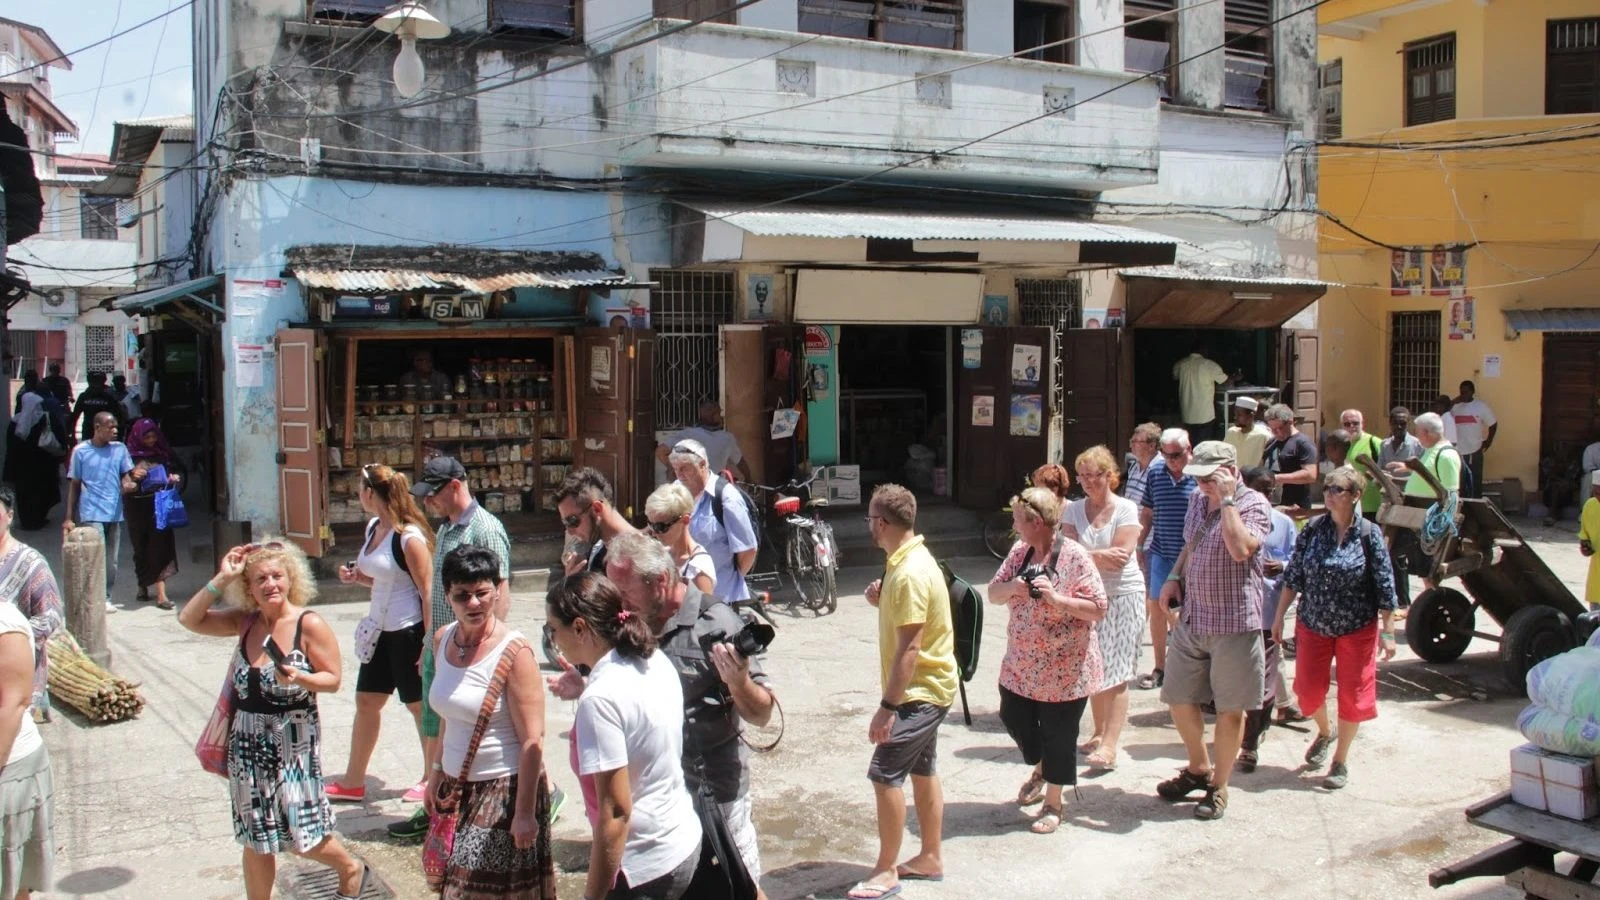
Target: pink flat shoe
column 341, row 794
column 416, row 793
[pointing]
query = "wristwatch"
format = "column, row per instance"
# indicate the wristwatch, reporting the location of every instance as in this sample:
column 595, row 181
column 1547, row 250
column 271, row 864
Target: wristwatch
column 891, row 707
column 1227, row 501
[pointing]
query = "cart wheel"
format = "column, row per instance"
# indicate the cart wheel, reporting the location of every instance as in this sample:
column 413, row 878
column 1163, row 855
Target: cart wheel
column 1439, row 627
column 1532, row 635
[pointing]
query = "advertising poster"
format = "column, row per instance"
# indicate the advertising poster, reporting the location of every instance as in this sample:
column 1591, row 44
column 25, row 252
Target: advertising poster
column 971, row 348
column 983, row 410
column 1461, row 326
column 1095, row 317
column 1405, row 272
column 996, row 309
column 1025, row 359
column 1447, row 269
column 1027, row 415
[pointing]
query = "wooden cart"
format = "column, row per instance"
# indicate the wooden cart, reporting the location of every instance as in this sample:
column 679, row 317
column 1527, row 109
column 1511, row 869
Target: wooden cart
column 1528, row 860
column 1503, row 576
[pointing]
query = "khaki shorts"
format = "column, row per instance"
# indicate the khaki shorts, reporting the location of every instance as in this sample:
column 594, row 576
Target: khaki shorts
column 1226, row 669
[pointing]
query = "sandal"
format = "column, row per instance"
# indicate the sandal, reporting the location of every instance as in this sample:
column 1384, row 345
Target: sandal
column 1047, row 823
column 1032, row 789
column 1091, row 745
column 1152, row 681
column 164, row 603
column 1099, row 759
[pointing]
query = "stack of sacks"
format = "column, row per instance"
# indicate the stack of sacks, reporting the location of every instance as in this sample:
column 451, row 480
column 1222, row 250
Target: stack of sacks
column 1554, row 782
column 1565, row 713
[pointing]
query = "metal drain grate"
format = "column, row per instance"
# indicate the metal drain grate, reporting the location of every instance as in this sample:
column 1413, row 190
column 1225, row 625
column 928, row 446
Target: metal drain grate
column 321, row 883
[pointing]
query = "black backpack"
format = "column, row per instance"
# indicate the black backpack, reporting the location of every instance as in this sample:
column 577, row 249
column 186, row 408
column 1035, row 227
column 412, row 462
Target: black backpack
column 396, row 546
column 716, row 486
column 966, row 618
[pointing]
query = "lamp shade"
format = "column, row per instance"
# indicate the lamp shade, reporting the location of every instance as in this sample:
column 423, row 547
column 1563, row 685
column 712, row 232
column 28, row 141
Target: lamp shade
column 414, row 20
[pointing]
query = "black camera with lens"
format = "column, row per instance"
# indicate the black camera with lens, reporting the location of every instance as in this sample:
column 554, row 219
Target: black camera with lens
column 1029, row 573
column 750, row 641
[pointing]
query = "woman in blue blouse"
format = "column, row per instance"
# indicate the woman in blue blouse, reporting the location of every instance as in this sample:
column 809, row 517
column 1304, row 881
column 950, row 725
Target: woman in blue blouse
column 1340, row 571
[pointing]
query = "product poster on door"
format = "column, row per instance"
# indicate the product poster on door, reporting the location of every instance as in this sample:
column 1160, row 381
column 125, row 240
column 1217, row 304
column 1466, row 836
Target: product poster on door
column 983, row 410
column 1025, row 365
column 1027, row 414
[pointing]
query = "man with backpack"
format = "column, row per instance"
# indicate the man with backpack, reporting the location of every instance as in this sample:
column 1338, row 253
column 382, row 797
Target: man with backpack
column 721, row 521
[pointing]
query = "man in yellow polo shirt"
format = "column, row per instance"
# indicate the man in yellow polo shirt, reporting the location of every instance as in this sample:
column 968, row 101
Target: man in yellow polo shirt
column 917, row 653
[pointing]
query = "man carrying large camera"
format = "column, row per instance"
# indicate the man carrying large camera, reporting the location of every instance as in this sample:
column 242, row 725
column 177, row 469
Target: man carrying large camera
column 698, row 633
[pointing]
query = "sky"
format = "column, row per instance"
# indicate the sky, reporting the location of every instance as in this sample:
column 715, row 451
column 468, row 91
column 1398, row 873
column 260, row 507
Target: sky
column 144, row 73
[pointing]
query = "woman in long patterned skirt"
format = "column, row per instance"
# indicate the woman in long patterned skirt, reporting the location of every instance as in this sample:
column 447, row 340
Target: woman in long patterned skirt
column 275, row 745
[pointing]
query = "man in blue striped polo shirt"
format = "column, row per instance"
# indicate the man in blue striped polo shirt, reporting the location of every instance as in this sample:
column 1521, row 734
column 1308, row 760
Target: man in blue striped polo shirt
column 1161, row 513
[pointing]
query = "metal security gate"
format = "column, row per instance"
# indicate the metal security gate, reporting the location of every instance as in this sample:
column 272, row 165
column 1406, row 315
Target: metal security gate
column 686, row 308
column 1414, row 360
column 1056, row 304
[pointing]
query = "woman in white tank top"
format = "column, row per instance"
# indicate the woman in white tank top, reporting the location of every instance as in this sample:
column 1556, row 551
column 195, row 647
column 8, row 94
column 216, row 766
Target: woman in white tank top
column 396, row 561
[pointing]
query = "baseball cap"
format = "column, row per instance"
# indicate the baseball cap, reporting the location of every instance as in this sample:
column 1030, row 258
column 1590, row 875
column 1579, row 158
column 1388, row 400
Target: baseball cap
column 1210, row 456
column 693, row 448
column 436, row 473
column 1247, row 403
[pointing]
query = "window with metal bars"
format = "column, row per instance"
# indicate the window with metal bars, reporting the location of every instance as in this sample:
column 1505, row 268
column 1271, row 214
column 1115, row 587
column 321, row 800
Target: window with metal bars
column 1056, row 304
column 1414, row 359
column 97, row 218
column 686, row 309
column 1431, row 80
column 1572, row 67
column 1330, row 93
column 1147, row 45
column 1247, row 58
column 100, row 348
column 34, row 351
column 923, row 23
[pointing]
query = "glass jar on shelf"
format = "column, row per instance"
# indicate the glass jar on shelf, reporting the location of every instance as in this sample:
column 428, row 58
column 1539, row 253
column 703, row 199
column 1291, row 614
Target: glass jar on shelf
column 391, row 399
column 408, row 399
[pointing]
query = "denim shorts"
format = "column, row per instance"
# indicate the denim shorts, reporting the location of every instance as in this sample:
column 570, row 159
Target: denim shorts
column 1160, row 568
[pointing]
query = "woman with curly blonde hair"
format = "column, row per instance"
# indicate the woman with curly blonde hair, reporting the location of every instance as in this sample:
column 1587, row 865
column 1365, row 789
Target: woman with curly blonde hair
column 275, row 742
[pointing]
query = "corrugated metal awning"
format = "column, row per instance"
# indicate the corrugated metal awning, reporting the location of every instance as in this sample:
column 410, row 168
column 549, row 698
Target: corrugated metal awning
column 1185, row 273
column 1200, row 296
column 1553, row 319
column 367, row 281
column 202, row 290
column 918, row 226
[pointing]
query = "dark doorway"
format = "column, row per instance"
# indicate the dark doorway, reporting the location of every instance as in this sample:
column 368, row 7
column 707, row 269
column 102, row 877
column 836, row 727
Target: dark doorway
column 1250, row 353
column 893, row 403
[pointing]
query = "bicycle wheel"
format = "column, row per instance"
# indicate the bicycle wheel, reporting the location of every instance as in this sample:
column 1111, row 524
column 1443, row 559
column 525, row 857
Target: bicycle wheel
column 998, row 535
column 814, row 581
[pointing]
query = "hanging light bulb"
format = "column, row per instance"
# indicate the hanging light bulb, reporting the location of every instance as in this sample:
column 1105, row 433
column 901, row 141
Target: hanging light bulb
column 410, row 22
column 408, row 71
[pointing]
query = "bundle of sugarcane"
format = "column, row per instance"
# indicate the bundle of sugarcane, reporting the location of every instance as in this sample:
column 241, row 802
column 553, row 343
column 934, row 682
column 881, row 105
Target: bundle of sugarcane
column 84, row 686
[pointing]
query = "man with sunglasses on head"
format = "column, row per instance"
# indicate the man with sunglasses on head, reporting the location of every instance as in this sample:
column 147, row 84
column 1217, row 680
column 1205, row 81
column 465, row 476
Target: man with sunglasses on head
column 589, row 514
column 444, row 493
column 720, row 521
column 1166, row 501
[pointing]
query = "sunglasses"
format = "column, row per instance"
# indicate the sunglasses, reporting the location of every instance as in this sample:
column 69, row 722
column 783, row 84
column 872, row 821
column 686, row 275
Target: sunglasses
column 1350, row 423
column 662, row 527
column 572, row 520
column 1177, row 455
column 1337, row 489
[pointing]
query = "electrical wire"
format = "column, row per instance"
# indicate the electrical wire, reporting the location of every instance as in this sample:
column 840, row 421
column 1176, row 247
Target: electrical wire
column 130, row 29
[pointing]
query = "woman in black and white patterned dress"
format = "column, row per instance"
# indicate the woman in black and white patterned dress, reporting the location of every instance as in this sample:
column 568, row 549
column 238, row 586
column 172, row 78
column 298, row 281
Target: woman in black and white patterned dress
column 1108, row 527
column 275, row 745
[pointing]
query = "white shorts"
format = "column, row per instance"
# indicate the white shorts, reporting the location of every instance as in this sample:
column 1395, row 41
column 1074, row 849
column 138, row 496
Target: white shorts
column 743, row 829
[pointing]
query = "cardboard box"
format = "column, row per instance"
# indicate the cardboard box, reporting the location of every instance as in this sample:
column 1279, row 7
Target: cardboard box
column 1570, row 771
column 1528, row 760
column 1570, row 802
column 1528, row 790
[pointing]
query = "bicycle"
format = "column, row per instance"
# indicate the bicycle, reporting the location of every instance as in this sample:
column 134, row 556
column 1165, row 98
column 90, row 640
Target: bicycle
column 999, row 533
column 800, row 546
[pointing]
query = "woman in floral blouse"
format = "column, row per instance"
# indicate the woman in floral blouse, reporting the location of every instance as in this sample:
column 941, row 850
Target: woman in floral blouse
column 1052, row 663
column 1340, row 571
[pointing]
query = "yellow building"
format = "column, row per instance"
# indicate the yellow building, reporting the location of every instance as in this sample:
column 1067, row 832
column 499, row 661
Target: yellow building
column 1462, row 215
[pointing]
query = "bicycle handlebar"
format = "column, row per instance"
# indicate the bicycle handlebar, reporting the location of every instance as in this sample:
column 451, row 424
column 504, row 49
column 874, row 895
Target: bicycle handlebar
column 792, row 485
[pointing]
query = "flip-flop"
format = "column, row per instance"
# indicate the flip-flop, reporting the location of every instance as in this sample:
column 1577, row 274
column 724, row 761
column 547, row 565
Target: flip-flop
column 864, row 891
column 1098, row 760
column 905, row 874
column 164, row 604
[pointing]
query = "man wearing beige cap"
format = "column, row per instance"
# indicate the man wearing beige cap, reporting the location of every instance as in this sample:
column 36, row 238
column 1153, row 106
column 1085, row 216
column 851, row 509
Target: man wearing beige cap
column 1247, row 435
column 1214, row 596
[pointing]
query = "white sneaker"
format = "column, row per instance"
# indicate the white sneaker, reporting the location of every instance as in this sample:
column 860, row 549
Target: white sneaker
column 110, row 608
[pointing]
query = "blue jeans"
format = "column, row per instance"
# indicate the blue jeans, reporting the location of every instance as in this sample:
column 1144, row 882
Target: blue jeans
column 1160, row 568
column 112, row 532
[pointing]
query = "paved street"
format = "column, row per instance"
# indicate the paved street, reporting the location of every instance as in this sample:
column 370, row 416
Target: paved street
column 137, row 818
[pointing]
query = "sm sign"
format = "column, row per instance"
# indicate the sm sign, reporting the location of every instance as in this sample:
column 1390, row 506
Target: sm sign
column 470, row 307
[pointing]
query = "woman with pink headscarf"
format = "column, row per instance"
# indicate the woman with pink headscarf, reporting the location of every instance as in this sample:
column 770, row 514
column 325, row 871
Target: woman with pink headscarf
column 155, row 552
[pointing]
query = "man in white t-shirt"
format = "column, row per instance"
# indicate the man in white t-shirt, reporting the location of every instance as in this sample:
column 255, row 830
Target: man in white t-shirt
column 1475, row 431
column 1197, row 379
column 722, row 448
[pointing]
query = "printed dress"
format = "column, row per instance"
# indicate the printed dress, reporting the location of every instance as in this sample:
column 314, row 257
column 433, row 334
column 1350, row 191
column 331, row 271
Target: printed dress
column 275, row 759
column 27, row 583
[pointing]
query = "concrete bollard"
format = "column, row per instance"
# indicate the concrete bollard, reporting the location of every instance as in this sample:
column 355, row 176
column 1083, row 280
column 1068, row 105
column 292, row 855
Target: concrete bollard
column 83, row 563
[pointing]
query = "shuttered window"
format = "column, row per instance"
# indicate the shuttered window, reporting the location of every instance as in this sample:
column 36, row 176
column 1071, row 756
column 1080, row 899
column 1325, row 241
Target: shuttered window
column 695, row 10
column 1431, row 80
column 923, row 23
column 1330, row 97
column 1148, row 45
column 1247, row 58
column 352, row 11
column 1572, row 67
column 557, row 18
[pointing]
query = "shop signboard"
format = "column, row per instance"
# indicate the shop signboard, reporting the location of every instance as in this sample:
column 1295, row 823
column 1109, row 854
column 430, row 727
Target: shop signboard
column 454, row 308
column 817, row 341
